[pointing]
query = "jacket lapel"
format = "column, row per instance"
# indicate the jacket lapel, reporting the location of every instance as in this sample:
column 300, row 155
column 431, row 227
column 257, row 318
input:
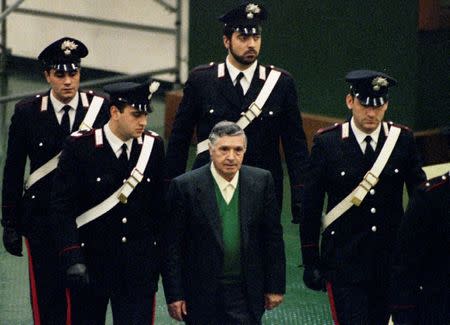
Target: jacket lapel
column 247, row 189
column 206, row 196
column 79, row 114
column 227, row 90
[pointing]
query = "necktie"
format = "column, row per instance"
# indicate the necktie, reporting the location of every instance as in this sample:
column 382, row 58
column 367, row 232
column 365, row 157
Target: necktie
column 238, row 86
column 65, row 121
column 123, row 158
column 369, row 154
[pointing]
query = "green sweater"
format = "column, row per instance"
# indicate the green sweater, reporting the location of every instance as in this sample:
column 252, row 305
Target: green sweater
column 231, row 234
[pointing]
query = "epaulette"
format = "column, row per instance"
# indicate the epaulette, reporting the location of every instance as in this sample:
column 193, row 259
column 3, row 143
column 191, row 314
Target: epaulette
column 401, row 126
column 81, row 133
column 151, row 133
column 204, row 67
column 435, row 182
column 279, row 69
column 328, row 128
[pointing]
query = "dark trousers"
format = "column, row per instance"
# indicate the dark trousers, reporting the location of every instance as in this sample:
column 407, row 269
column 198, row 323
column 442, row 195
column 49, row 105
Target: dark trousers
column 359, row 305
column 47, row 293
column 88, row 307
column 231, row 308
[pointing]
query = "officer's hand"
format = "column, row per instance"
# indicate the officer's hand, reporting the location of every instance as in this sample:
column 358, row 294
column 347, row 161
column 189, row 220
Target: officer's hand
column 177, row 310
column 12, row 241
column 77, row 276
column 272, row 300
column 313, row 278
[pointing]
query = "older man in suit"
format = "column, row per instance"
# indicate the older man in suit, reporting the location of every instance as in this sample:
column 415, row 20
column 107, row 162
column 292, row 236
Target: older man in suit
column 224, row 250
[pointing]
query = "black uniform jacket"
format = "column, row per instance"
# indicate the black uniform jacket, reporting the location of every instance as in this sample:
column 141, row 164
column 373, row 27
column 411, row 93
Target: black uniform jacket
column 35, row 133
column 357, row 246
column 422, row 263
column 123, row 243
column 194, row 246
column 210, row 97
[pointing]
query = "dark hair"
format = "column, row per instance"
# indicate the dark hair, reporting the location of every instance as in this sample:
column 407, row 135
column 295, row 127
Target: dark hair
column 225, row 128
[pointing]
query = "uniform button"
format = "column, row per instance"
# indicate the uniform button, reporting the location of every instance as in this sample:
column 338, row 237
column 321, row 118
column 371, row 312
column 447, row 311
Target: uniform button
column 396, row 170
column 148, row 180
column 242, row 113
column 373, row 210
column 372, row 192
column 270, row 113
column 211, row 111
column 420, row 287
column 154, row 243
column 91, row 92
column 33, row 196
column 427, row 184
column 342, row 173
column 124, row 220
column 374, row 228
column 390, row 122
column 83, row 244
column 124, row 239
column 37, row 96
column 40, row 144
column 332, row 232
column 99, row 179
column 124, row 180
column 444, row 177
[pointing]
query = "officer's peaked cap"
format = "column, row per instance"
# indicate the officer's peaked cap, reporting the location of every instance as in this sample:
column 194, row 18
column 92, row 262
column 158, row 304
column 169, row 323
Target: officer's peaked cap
column 134, row 94
column 370, row 87
column 245, row 18
column 64, row 54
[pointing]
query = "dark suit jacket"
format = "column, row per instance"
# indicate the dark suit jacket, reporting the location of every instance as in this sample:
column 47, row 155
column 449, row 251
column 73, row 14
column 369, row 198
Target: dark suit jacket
column 121, row 247
column 194, row 247
column 357, row 246
column 421, row 277
column 36, row 135
column 209, row 98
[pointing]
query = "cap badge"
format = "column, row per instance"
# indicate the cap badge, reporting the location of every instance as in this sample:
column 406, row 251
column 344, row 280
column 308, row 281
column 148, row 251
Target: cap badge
column 152, row 88
column 67, row 46
column 379, row 82
column 251, row 10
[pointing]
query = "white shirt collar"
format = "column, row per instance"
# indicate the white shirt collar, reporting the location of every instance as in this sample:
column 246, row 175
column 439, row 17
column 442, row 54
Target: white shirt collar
column 360, row 135
column 115, row 142
column 58, row 105
column 248, row 73
column 222, row 182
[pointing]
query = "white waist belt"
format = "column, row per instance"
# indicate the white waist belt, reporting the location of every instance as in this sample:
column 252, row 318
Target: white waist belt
column 122, row 194
column 370, row 180
column 254, row 109
column 51, row 165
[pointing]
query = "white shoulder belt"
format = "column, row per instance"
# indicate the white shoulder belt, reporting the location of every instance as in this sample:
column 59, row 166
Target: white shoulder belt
column 253, row 110
column 87, row 124
column 369, row 180
column 122, row 194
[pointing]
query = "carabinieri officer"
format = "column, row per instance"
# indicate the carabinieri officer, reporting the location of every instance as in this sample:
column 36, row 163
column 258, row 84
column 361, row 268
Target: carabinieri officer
column 107, row 206
column 362, row 166
column 38, row 128
column 262, row 99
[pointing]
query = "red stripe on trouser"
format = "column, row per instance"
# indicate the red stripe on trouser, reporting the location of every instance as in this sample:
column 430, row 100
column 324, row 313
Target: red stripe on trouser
column 69, row 307
column 34, row 298
column 153, row 310
column 332, row 304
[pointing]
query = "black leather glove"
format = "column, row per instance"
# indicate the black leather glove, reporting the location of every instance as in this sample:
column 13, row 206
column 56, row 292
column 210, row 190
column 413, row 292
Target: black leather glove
column 313, row 278
column 77, row 276
column 12, row 241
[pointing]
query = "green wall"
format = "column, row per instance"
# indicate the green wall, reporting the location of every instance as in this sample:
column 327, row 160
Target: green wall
column 320, row 41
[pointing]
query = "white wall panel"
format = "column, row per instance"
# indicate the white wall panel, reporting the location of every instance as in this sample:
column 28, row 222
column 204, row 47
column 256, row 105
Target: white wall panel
column 112, row 49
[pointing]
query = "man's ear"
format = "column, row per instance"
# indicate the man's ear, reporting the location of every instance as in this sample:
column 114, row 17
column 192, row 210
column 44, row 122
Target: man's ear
column 47, row 76
column 114, row 111
column 349, row 101
column 226, row 42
